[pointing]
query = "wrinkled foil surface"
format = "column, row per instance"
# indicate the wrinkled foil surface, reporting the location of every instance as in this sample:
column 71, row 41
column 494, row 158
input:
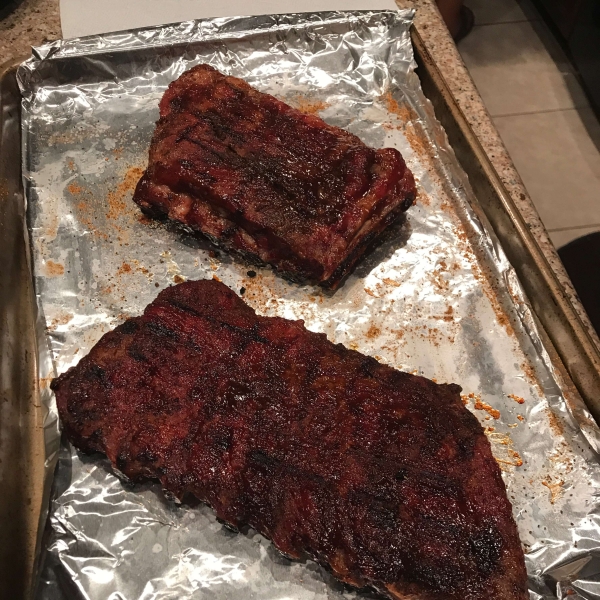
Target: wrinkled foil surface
column 436, row 297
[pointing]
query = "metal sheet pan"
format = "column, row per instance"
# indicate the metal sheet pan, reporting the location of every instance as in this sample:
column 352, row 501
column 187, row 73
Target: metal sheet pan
column 22, row 449
column 472, row 160
column 572, row 344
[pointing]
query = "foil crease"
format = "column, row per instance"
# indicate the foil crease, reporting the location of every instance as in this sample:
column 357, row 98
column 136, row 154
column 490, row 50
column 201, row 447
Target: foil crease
column 437, row 297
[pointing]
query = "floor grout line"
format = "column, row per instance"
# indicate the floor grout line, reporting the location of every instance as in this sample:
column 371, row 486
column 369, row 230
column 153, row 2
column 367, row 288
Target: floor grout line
column 525, row 20
column 558, row 229
column 539, row 112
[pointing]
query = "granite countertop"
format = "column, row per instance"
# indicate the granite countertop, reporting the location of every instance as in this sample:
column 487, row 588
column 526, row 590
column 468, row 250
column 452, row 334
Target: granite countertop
column 37, row 21
column 33, row 23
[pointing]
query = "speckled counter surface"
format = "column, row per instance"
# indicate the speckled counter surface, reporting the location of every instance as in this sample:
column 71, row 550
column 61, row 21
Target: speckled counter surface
column 37, row 21
column 31, row 24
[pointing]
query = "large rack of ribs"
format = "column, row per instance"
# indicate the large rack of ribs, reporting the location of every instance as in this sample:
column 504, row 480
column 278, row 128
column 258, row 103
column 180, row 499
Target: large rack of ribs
column 383, row 476
column 265, row 180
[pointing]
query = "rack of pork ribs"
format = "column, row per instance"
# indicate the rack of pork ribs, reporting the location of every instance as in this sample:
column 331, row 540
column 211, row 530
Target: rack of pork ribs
column 383, row 476
column 264, row 180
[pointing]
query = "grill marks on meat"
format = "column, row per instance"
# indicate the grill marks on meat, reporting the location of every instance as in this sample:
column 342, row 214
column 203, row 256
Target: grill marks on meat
column 267, row 181
column 382, row 475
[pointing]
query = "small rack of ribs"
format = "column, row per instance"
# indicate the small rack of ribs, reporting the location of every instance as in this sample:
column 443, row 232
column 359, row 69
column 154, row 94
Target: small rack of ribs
column 383, row 476
column 262, row 179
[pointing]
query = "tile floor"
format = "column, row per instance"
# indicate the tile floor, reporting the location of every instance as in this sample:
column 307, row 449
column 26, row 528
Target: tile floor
column 542, row 114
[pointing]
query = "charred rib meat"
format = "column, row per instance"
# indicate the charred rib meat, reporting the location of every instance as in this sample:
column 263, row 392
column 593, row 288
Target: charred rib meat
column 267, row 181
column 384, row 476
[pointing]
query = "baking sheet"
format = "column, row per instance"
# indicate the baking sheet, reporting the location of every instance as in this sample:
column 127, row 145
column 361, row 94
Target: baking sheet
column 437, row 297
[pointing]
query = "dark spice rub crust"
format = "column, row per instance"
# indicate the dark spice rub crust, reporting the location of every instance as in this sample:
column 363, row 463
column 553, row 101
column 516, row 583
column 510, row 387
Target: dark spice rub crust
column 384, row 476
column 267, row 181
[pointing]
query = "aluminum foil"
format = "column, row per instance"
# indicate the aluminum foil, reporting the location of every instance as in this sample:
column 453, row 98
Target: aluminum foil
column 437, row 297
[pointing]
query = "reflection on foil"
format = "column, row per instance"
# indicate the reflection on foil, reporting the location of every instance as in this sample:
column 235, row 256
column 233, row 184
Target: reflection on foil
column 436, row 297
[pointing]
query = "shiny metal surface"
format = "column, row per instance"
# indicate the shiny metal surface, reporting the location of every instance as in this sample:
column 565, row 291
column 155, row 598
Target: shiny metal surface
column 438, row 297
column 22, row 453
